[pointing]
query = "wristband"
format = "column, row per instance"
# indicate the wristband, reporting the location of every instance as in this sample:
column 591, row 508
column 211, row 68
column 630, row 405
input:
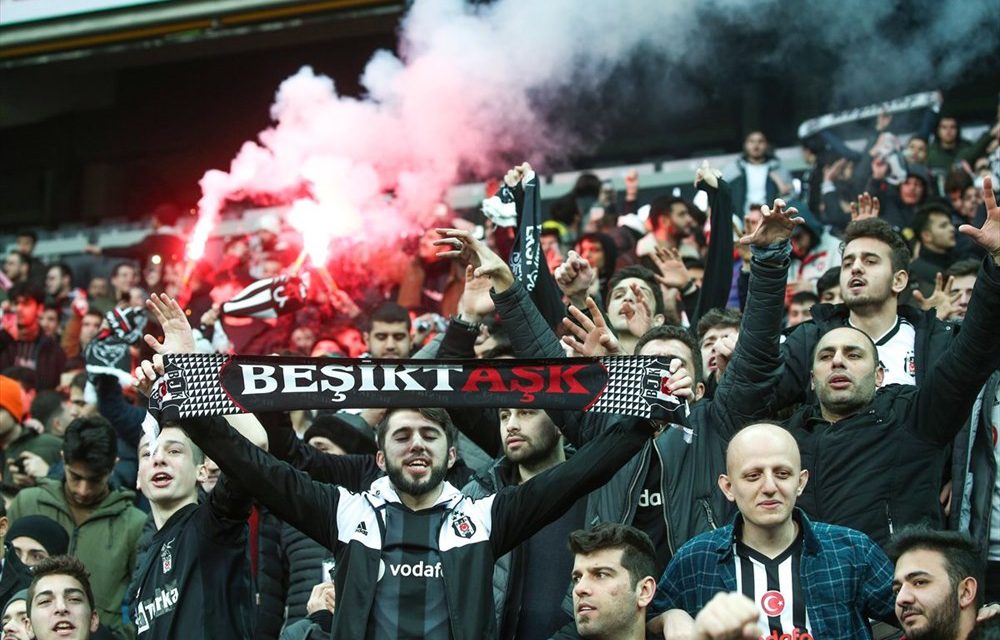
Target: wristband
column 469, row 327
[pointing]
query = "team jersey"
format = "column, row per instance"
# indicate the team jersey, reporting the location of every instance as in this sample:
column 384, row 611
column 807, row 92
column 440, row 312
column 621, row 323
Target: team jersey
column 774, row 585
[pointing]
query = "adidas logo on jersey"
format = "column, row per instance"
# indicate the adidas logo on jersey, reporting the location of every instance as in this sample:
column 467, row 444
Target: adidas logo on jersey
column 362, row 529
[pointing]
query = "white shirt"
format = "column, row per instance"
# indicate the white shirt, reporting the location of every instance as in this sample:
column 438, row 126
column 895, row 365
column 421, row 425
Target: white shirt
column 895, row 353
column 756, row 184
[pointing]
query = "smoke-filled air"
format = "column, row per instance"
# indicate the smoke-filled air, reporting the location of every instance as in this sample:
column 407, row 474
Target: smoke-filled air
column 474, row 86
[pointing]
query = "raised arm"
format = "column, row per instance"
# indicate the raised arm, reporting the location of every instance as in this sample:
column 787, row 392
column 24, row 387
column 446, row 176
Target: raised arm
column 950, row 387
column 520, row 511
column 352, row 472
column 746, row 387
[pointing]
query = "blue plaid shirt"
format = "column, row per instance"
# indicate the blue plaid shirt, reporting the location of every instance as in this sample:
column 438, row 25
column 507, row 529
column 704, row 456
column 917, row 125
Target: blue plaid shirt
column 846, row 577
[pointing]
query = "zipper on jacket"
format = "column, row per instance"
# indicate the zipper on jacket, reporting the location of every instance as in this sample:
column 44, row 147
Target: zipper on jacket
column 888, row 517
column 630, row 495
column 666, row 501
column 708, row 513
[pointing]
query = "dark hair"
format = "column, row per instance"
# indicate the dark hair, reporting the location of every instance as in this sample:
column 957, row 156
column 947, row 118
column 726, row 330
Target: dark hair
column 64, row 566
column 923, row 215
column 26, row 377
column 662, row 206
column 118, row 267
column 28, row 233
column 642, row 273
column 92, row 441
column 988, row 629
column 959, row 551
column 868, row 338
column 803, row 297
column 46, row 406
column 587, row 185
column 64, row 270
column 28, row 290
column 880, row 230
column 389, row 312
column 94, row 312
column 638, row 555
column 674, row 332
column 827, row 281
column 966, row 267
column 957, row 180
column 564, row 209
column 718, row 317
column 439, row 417
column 79, row 381
column 693, row 263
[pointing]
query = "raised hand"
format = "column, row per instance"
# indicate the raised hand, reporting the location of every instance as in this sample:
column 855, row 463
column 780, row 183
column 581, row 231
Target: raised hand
column 147, row 373
column 475, row 303
column 177, row 334
column 672, row 272
column 708, row 175
column 866, row 207
column 775, row 225
column 833, row 171
column 574, row 276
column 680, row 383
column 988, row 236
column 940, row 299
column 723, row 350
column 590, row 337
column 517, row 174
column 463, row 246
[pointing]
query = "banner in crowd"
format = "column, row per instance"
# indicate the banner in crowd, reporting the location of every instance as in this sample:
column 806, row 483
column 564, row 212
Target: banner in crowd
column 213, row 385
column 926, row 100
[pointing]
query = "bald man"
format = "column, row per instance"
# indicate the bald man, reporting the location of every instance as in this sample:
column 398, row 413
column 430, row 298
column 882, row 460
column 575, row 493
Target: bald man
column 807, row 579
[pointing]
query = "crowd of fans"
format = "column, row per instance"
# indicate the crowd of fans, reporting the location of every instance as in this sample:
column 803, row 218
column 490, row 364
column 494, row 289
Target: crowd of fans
column 840, row 312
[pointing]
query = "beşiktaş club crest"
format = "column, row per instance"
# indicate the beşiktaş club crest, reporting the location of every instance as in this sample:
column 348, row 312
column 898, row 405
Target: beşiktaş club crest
column 663, row 404
column 463, row 526
column 170, row 389
column 167, row 557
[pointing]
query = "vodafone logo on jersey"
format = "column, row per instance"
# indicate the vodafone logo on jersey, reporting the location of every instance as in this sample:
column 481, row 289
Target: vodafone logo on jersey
column 773, row 603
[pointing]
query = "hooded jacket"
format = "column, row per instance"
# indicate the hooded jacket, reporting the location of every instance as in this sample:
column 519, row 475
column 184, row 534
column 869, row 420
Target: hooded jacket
column 472, row 533
column 105, row 541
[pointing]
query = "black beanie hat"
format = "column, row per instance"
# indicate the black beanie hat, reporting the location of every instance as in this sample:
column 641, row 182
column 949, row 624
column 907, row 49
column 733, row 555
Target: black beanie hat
column 341, row 433
column 46, row 531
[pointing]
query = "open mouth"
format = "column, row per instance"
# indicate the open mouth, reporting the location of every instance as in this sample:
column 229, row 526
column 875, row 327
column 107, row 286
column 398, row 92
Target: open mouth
column 64, row 627
column 856, row 283
column 161, row 479
column 418, row 466
column 585, row 608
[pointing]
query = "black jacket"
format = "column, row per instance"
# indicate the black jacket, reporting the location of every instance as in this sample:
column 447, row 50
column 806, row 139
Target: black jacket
column 302, row 567
column 13, row 577
column 974, row 471
column 690, row 464
column 270, row 577
column 881, row 468
column 481, row 530
column 194, row 579
column 932, row 338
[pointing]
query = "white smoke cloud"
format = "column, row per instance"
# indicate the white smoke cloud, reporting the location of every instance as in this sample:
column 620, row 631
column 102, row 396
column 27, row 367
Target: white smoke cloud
column 476, row 86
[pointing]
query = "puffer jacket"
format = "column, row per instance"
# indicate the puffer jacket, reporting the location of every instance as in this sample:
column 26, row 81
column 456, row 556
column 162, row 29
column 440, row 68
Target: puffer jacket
column 302, row 565
column 270, row 577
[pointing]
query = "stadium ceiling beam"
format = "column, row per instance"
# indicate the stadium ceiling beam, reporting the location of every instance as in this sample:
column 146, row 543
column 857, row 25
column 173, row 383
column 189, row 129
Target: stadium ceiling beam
column 159, row 20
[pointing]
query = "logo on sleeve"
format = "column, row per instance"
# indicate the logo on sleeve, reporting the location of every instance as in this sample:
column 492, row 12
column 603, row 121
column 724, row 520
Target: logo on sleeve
column 362, row 529
column 463, row 526
column 167, row 557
